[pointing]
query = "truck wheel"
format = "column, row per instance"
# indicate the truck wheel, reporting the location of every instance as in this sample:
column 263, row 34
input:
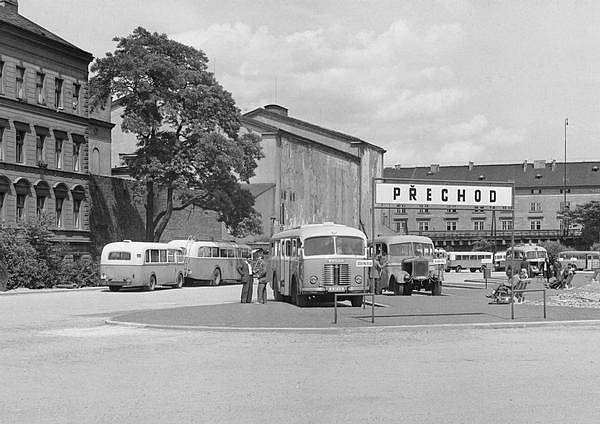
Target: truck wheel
column 436, row 290
column 396, row 288
column 356, row 301
column 458, row 268
column 152, row 284
column 179, row 282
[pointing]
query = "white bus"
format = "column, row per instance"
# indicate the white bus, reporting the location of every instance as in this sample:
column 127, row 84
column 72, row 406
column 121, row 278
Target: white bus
column 128, row 264
column 473, row 261
column 583, row 260
column 499, row 261
column 213, row 261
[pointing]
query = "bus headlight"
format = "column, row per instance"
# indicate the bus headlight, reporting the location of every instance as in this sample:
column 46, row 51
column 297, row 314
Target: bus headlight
column 313, row 279
column 358, row 279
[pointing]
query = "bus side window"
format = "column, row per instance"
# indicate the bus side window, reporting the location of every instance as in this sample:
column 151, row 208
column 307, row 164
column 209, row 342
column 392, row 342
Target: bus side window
column 294, row 248
column 154, row 255
column 147, row 256
column 163, row 255
column 178, row 256
column 171, row 255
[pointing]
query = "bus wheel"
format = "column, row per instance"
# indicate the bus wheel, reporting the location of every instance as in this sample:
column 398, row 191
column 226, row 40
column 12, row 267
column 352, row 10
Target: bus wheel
column 179, row 283
column 152, row 285
column 216, row 280
column 114, row 288
column 436, row 289
column 473, row 269
column 395, row 287
column 407, row 289
column 458, row 268
column 356, row 301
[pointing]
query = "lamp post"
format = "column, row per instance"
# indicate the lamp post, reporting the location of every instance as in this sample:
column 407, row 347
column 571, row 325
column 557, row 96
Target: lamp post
column 564, row 208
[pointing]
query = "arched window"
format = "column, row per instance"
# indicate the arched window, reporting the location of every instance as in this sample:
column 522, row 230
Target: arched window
column 4, row 189
column 95, row 163
column 78, row 195
column 42, row 191
column 61, row 192
column 22, row 189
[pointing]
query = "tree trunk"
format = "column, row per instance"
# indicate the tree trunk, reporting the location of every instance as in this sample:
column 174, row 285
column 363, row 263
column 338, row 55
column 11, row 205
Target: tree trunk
column 162, row 222
column 149, row 211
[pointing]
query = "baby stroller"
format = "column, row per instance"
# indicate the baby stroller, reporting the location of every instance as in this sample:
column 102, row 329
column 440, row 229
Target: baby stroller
column 501, row 295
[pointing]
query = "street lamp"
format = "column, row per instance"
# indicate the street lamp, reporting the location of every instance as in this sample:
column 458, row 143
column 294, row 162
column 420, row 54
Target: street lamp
column 564, row 208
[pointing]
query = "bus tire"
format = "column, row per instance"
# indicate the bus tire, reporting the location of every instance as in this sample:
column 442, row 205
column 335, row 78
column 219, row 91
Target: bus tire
column 179, row 281
column 473, row 269
column 152, row 284
column 458, row 268
column 216, row 277
column 436, row 289
column 114, row 288
column 356, row 301
column 407, row 289
column 395, row 287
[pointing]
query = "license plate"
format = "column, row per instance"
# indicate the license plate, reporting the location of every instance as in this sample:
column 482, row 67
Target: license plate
column 336, row 289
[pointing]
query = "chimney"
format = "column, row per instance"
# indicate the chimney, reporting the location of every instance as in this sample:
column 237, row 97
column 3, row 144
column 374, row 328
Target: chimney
column 12, row 5
column 524, row 166
column 280, row 110
column 471, row 165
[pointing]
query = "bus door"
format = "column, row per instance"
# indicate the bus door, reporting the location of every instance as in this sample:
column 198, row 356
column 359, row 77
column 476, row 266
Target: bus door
column 591, row 262
column 286, row 249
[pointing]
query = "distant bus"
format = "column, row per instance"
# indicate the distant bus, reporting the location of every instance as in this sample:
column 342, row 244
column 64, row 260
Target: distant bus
column 583, row 260
column 140, row 264
column 212, row 261
column 500, row 261
column 473, row 261
column 534, row 255
column 318, row 260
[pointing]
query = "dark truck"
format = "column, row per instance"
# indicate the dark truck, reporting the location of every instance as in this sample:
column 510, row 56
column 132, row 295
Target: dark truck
column 405, row 263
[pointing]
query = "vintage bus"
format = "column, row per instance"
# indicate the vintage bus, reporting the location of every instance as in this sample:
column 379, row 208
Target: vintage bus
column 473, row 261
column 212, row 261
column 499, row 261
column 128, row 264
column 583, row 260
column 535, row 256
column 318, row 260
column 408, row 263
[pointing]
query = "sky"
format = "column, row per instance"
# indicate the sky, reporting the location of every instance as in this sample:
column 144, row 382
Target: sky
column 430, row 81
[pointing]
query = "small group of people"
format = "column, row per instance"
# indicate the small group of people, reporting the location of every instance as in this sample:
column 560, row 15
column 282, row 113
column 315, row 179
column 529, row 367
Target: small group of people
column 511, row 290
column 248, row 273
column 563, row 276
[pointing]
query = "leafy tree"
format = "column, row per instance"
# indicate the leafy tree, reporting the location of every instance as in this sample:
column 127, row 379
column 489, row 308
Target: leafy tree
column 553, row 248
column 483, row 245
column 187, row 126
column 588, row 215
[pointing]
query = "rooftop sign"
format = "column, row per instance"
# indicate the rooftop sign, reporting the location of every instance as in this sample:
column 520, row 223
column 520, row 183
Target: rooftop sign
column 443, row 194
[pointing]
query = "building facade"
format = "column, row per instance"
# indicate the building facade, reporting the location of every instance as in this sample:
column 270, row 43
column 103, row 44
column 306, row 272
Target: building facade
column 317, row 174
column 47, row 133
column 542, row 190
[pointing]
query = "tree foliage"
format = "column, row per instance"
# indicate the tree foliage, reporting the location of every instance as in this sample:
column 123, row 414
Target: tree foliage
column 588, row 216
column 187, row 127
column 553, row 248
column 483, row 245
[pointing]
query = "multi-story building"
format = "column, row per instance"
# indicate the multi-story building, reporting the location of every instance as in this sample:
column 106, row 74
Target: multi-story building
column 542, row 190
column 46, row 130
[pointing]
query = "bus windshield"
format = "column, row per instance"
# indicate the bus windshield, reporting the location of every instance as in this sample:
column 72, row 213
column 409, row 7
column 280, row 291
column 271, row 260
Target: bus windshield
column 401, row 249
column 326, row 245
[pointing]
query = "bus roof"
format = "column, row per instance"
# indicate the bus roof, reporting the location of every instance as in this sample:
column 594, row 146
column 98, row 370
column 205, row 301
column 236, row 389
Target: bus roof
column 325, row 229
column 134, row 246
column 570, row 252
column 402, row 238
column 527, row 247
column 470, row 252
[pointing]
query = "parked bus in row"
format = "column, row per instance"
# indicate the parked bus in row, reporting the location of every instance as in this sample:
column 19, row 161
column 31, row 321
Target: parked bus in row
column 583, row 260
column 500, row 261
column 407, row 264
column 473, row 261
column 212, row 261
column 318, row 260
column 531, row 256
column 128, row 264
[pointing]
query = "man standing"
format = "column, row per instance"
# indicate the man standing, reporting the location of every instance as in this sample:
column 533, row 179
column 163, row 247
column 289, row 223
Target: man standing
column 260, row 272
column 244, row 269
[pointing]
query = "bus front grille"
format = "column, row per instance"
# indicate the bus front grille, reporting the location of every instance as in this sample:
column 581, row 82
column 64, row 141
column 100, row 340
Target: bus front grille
column 336, row 274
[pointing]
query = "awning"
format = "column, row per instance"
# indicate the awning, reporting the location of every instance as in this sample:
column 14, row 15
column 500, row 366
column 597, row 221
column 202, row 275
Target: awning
column 78, row 192
column 4, row 184
column 78, row 138
column 22, row 126
column 42, row 188
column 22, row 186
column 60, row 191
column 60, row 134
column 42, row 131
column 4, row 123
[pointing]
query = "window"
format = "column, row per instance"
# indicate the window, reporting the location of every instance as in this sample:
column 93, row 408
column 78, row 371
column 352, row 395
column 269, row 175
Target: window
column 423, row 225
column 402, row 227
column 119, row 256
column 423, row 209
column 95, row 161
column 478, row 225
column 535, row 206
column 58, row 143
column 40, row 89
column 20, row 139
column 58, row 211
column 2, row 204
column 76, row 149
column 1, row 144
column 1, row 77
column 40, row 152
column 451, row 210
column 58, row 83
column 506, row 224
column 77, row 214
column 76, row 90
column 400, row 210
column 536, row 224
column 450, row 225
column 20, row 87
column 21, row 207
column 479, row 209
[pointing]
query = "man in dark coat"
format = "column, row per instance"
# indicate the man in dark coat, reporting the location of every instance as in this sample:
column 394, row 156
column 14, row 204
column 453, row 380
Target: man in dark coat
column 260, row 272
column 246, row 278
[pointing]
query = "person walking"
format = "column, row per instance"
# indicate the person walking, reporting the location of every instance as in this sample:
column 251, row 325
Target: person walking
column 260, row 272
column 246, row 278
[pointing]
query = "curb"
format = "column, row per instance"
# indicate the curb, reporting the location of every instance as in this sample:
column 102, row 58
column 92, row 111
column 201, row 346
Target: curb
column 490, row 325
column 50, row 291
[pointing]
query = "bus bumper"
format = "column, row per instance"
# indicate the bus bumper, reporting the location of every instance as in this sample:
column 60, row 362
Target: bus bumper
column 334, row 289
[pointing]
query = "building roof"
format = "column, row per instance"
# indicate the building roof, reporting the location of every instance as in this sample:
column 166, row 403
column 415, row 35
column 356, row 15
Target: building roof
column 9, row 15
column 526, row 174
column 279, row 114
